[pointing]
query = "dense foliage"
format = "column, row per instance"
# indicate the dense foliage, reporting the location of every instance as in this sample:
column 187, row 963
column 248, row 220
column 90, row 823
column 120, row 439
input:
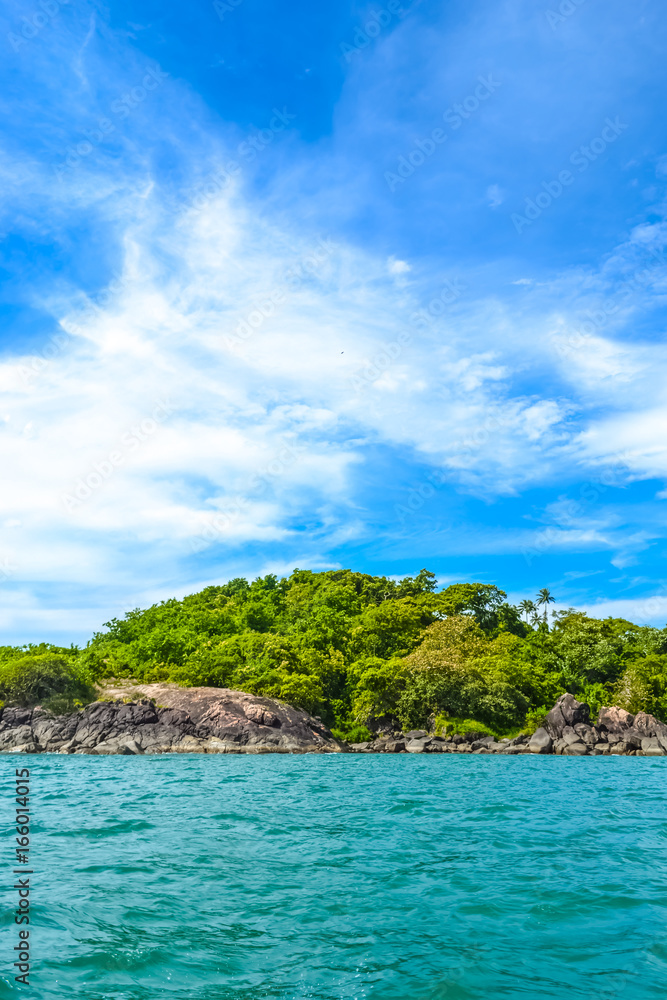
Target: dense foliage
column 365, row 652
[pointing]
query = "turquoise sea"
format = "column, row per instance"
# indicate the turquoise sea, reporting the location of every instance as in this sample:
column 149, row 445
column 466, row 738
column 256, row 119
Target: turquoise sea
column 343, row 877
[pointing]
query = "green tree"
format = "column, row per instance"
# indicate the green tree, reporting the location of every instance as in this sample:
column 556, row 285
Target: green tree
column 528, row 608
column 544, row 598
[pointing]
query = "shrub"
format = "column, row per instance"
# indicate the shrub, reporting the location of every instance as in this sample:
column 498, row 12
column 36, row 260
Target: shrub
column 352, row 734
column 445, row 726
column 47, row 679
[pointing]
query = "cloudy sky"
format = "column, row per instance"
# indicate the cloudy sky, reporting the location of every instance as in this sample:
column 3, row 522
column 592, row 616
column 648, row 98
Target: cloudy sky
column 379, row 286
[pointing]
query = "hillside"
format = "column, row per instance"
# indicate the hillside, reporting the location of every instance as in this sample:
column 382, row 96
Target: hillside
column 363, row 653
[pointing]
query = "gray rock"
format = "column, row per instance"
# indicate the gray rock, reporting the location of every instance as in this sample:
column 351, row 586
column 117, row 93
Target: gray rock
column 417, row 745
column 579, row 749
column 615, row 720
column 648, row 725
column 108, row 747
column 540, row 742
column 483, row 742
column 415, row 734
column 566, row 712
column 177, row 720
column 25, row 748
column 654, row 751
column 16, row 737
column 586, row 733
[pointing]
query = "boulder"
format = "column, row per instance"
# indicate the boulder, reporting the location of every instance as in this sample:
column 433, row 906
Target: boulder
column 540, row 742
column 566, row 712
column 615, row 720
column 25, row 748
column 165, row 718
column 484, row 742
column 17, row 737
column 109, row 747
column 415, row 734
column 648, row 725
column 586, row 733
column 417, row 745
column 578, row 749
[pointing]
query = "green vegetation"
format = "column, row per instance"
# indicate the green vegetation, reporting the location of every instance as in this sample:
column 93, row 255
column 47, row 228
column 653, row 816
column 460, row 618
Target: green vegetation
column 364, row 653
column 54, row 677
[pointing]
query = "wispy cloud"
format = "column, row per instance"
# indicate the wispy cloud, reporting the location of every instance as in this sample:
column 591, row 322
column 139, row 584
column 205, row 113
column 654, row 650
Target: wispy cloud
column 262, row 291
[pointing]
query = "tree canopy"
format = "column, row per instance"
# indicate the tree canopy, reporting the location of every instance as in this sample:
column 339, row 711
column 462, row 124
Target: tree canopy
column 363, row 652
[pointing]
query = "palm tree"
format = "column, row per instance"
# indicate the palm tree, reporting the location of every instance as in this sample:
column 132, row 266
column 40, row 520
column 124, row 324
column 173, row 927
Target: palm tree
column 527, row 607
column 544, row 599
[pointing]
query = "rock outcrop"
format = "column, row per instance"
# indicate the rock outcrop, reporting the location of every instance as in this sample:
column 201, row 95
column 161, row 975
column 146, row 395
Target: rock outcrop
column 567, row 731
column 169, row 719
column 567, row 712
column 163, row 718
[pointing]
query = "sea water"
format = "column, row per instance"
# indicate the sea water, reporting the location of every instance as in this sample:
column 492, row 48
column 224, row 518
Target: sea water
column 342, row 877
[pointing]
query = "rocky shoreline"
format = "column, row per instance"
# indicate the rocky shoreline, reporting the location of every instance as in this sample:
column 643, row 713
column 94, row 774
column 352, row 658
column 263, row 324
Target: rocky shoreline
column 169, row 719
column 567, row 731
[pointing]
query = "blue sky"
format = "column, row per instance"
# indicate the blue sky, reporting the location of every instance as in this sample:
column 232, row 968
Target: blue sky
column 379, row 286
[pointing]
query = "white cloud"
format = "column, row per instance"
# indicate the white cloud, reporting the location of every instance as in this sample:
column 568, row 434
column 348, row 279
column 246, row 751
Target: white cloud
column 395, row 266
column 278, row 358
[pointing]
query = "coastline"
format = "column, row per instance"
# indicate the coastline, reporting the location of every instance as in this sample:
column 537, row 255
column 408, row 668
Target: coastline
column 219, row 720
